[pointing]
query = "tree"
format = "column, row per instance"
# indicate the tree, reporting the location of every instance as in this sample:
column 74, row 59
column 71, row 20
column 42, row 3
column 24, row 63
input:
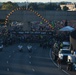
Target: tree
column 41, row 6
column 33, row 6
column 47, row 6
column 75, row 5
column 9, row 6
column 0, row 7
column 52, row 6
column 62, row 3
column 65, row 8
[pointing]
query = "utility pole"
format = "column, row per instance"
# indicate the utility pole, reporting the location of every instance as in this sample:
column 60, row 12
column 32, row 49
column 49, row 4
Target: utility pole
column 26, row 4
column 26, row 26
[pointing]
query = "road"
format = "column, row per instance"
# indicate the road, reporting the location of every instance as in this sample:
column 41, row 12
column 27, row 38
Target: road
column 38, row 62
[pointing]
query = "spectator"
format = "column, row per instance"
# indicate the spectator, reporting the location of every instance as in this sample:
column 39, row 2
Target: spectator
column 69, row 65
column 66, row 23
column 59, row 62
column 74, row 52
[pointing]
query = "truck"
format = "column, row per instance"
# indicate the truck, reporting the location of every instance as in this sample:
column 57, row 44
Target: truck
column 63, row 54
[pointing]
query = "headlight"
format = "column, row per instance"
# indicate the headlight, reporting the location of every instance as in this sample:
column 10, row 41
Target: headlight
column 61, row 56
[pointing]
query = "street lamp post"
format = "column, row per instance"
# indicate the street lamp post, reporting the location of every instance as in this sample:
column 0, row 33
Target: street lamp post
column 26, row 4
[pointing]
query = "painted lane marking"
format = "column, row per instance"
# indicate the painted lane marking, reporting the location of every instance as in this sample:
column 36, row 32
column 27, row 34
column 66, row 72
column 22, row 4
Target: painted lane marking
column 56, row 64
column 65, row 72
column 13, row 51
column 7, row 69
column 29, row 62
column 7, row 62
column 33, row 70
column 9, row 56
column 29, row 56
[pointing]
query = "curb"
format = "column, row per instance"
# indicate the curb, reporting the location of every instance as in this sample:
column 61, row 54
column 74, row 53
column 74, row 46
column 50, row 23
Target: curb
column 56, row 64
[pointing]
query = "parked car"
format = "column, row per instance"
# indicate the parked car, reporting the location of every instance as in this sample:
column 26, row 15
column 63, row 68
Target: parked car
column 57, row 46
column 63, row 54
column 65, row 44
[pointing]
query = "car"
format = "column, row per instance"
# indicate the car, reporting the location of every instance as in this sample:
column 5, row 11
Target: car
column 63, row 54
column 65, row 44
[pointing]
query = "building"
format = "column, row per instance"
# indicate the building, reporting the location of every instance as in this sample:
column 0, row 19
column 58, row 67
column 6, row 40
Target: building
column 70, row 6
column 73, row 40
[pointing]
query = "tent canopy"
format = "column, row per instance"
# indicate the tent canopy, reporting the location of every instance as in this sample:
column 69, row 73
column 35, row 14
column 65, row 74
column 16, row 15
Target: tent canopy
column 67, row 28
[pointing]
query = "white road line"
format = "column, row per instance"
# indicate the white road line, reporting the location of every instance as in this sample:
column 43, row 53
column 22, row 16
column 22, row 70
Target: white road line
column 7, row 62
column 65, row 72
column 56, row 64
column 13, row 51
column 29, row 62
column 7, row 69
column 29, row 56
column 9, row 56
column 52, row 59
column 33, row 70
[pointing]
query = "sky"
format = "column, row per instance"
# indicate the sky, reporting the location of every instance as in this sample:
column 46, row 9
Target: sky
column 37, row 0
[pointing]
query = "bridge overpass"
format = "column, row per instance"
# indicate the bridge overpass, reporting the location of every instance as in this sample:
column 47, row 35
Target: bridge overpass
column 24, row 15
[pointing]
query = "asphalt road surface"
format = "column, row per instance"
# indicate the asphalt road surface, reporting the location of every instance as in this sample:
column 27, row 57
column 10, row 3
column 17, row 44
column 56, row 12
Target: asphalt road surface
column 38, row 62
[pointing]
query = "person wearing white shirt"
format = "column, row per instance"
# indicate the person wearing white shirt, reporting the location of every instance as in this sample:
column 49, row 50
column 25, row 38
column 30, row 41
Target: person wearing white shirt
column 20, row 47
column 29, row 47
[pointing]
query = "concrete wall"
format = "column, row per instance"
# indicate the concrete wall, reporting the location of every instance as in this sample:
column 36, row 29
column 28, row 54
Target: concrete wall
column 30, row 16
column 73, row 42
column 73, row 39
